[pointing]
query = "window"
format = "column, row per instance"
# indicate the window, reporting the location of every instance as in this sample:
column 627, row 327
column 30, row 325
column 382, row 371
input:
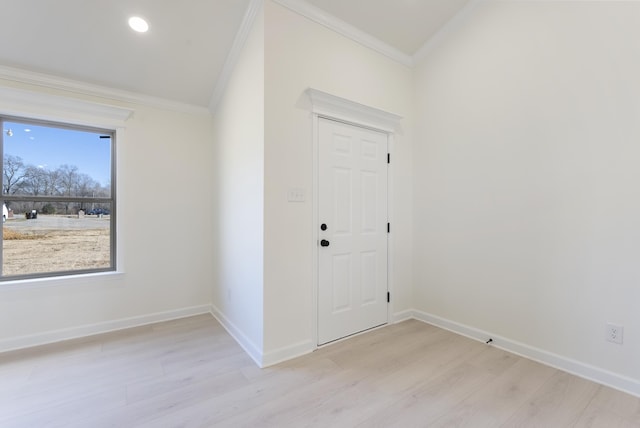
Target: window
column 58, row 191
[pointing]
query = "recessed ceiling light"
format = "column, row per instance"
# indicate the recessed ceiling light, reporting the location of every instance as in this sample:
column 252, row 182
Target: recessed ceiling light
column 138, row 24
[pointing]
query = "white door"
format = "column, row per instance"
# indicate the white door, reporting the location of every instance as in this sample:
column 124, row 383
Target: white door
column 352, row 204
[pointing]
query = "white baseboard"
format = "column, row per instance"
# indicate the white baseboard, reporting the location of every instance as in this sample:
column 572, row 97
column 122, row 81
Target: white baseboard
column 286, row 353
column 262, row 359
column 249, row 347
column 604, row 377
column 98, row 328
column 402, row 316
column 299, row 349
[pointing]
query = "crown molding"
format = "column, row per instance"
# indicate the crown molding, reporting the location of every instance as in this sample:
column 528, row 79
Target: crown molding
column 68, row 85
column 331, row 106
column 234, row 53
column 323, row 18
column 458, row 20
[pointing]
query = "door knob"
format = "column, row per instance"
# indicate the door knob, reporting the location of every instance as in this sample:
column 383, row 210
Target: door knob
column 324, row 243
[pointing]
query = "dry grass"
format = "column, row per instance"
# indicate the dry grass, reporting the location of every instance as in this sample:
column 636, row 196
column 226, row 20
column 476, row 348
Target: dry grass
column 44, row 251
column 14, row 235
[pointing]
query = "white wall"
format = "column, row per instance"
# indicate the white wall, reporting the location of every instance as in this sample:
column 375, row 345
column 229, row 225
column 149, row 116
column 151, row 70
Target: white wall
column 519, row 198
column 238, row 168
column 163, row 177
column 527, row 178
column 300, row 54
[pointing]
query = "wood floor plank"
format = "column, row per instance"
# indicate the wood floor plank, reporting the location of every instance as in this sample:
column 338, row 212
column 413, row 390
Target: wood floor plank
column 611, row 408
column 432, row 397
column 561, row 401
column 592, row 418
column 493, row 404
column 221, row 410
column 191, row 373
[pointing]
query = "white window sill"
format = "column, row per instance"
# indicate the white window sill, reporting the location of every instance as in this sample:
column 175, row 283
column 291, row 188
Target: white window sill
column 67, row 280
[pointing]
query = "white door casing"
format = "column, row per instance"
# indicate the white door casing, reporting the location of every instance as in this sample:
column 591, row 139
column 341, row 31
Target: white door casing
column 352, row 215
column 329, row 106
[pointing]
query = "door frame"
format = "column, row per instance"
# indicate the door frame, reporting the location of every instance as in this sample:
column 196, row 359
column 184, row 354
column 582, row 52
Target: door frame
column 327, row 106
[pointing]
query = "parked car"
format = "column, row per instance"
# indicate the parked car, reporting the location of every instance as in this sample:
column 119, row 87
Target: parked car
column 98, row 211
column 5, row 213
column 31, row 215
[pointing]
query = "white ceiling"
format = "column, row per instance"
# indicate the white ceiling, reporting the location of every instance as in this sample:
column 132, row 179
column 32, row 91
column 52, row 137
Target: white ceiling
column 182, row 56
column 403, row 24
column 179, row 58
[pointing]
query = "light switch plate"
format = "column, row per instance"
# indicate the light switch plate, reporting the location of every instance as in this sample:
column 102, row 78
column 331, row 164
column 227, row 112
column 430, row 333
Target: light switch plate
column 295, row 195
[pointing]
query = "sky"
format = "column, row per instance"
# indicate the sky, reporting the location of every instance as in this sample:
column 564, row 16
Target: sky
column 50, row 148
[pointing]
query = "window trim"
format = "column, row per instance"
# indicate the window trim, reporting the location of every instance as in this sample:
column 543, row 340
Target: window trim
column 26, row 104
column 111, row 200
column 62, row 109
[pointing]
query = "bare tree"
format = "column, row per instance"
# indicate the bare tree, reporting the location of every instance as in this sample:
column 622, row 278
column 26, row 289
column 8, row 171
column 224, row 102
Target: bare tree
column 13, row 174
column 35, row 180
column 84, row 185
column 67, row 179
column 52, row 178
column 67, row 182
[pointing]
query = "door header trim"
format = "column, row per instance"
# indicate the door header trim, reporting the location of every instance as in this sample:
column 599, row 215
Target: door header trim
column 331, row 106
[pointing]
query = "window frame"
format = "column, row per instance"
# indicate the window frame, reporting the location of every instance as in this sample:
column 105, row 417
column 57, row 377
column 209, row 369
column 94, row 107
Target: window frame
column 111, row 200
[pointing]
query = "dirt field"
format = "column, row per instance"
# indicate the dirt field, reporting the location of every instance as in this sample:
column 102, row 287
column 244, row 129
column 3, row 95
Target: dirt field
column 54, row 244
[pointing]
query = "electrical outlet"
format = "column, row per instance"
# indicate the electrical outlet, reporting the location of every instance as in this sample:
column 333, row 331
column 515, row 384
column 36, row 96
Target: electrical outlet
column 614, row 333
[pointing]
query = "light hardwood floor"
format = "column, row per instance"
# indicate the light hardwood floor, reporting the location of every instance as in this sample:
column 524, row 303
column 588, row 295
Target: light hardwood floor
column 190, row 373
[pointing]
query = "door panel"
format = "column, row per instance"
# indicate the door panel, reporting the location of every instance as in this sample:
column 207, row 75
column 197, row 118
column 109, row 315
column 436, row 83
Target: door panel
column 342, row 200
column 369, row 276
column 352, row 283
column 341, row 282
